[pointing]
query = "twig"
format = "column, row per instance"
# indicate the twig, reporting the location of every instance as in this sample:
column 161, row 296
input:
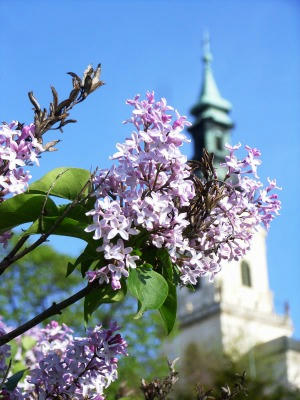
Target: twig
column 6, row 374
column 56, row 308
column 58, row 112
column 16, row 248
column 47, row 196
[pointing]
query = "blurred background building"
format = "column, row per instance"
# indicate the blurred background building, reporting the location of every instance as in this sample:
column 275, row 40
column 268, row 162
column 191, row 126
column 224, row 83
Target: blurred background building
column 235, row 313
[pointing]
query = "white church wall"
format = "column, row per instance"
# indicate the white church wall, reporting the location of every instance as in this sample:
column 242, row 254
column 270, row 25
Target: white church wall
column 240, row 332
column 206, row 334
column 257, row 296
column 190, row 301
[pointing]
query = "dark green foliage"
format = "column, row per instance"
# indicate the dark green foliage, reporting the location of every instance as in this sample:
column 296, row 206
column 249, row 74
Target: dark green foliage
column 13, row 381
column 102, row 295
column 24, row 208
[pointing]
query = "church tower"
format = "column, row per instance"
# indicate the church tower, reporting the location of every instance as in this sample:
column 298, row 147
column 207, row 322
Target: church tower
column 212, row 126
column 234, row 312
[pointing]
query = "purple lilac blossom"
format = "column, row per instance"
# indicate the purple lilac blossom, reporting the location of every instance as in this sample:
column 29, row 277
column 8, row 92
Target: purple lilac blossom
column 67, row 367
column 18, row 148
column 151, row 184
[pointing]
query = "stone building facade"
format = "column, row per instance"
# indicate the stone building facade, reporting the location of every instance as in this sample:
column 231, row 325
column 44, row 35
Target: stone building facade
column 235, row 314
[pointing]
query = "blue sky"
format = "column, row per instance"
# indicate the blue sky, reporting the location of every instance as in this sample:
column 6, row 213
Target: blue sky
column 157, row 45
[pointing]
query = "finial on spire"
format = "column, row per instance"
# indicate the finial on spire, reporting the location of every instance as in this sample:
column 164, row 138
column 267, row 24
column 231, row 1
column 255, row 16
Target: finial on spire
column 207, row 56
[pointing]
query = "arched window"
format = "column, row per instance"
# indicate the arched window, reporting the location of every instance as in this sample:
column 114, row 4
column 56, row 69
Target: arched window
column 246, row 274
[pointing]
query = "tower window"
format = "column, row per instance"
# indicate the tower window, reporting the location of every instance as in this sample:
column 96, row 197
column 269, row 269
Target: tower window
column 198, row 284
column 246, row 274
column 219, row 143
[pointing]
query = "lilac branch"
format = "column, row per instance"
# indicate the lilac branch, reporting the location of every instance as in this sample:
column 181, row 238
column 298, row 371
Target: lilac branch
column 14, row 255
column 56, row 308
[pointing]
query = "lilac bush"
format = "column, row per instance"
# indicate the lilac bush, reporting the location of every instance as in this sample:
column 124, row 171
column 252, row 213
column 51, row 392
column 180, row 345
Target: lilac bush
column 18, row 148
column 68, row 367
column 151, row 222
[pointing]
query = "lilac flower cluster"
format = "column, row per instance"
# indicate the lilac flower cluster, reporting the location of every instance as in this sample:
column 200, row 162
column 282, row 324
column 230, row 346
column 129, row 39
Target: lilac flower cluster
column 267, row 205
column 231, row 224
column 141, row 191
column 18, row 148
column 152, row 188
column 67, row 367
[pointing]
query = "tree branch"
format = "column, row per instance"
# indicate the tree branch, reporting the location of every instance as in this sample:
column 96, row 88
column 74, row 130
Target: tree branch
column 12, row 256
column 56, row 308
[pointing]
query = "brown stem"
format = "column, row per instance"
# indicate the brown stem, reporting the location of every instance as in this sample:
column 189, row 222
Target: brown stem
column 49, row 312
column 17, row 247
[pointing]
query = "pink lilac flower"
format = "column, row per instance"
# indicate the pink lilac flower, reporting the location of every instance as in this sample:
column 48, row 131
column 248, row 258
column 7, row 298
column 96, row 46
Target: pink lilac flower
column 140, row 191
column 151, row 188
column 18, row 148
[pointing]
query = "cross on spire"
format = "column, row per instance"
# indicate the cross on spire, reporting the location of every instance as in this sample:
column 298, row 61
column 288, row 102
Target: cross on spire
column 207, row 56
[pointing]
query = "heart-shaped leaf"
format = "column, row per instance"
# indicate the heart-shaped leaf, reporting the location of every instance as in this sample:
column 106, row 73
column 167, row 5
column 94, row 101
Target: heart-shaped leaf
column 149, row 287
column 62, row 182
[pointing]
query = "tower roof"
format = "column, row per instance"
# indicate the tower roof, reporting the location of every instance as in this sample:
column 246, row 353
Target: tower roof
column 211, row 104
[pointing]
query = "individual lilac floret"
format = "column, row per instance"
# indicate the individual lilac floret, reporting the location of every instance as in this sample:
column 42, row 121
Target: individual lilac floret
column 4, row 238
column 69, row 367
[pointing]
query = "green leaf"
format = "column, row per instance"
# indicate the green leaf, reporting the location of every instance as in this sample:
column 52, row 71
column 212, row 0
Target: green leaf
column 168, row 310
column 137, row 241
column 103, row 294
column 149, row 287
column 165, row 263
column 67, row 227
column 24, row 208
column 169, row 270
column 86, row 259
column 77, row 212
column 64, row 182
column 149, row 255
column 13, row 381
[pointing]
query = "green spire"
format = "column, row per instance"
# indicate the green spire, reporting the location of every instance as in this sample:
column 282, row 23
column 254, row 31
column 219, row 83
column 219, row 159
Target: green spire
column 211, row 104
